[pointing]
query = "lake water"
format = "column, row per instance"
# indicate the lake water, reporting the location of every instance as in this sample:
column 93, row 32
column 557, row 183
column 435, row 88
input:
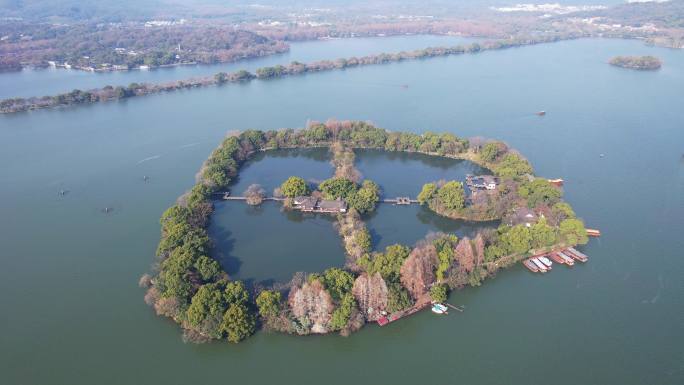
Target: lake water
column 50, row 81
column 72, row 313
column 308, row 242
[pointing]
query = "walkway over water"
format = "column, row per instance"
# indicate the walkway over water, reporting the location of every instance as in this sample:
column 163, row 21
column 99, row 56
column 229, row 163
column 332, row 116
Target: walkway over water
column 397, row 201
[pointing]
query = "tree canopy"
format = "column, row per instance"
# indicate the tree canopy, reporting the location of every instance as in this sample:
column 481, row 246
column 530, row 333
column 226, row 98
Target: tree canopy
column 426, row 193
column 268, row 302
column 294, row 186
column 334, row 188
column 451, row 195
column 365, row 198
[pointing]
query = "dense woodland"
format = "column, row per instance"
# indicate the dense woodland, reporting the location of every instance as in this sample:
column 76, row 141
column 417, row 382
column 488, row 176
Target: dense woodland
column 191, row 287
column 100, row 47
column 86, row 34
column 109, row 93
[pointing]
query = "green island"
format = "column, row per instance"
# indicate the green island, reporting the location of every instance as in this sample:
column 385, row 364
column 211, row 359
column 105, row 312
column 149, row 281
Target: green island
column 190, row 287
column 647, row 63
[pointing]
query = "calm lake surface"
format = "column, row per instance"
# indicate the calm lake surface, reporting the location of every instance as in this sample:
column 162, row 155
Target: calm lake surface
column 245, row 236
column 50, row 81
column 73, row 314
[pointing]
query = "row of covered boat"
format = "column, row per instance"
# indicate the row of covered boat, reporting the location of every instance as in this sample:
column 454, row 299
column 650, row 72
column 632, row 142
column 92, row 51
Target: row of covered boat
column 544, row 263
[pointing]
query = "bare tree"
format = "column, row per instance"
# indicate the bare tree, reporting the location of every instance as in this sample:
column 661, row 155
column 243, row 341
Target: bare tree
column 255, row 194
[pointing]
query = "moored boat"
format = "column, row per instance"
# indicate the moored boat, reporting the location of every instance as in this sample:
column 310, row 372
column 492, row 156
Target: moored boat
column 556, row 258
column 542, row 267
column 556, row 182
column 566, row 259
column 593, row 233
column 438, row 308
column 545, row 261
column 530, row 266
column 577, row 254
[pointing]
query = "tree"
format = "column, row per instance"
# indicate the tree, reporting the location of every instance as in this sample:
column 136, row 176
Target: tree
column 342, row 313
column 418, row 270
column 538, row 192
column 445, row 255
column 494, row 252
column 439, row 293
column 242, row 75
column 268, row 302
column 572, row 231
column 338, row 282
column 255, row 194
column 238, row 323
column 426, row 194
column 365, row 198
column 208, row 302
column 542, row 234
column 362, row 238
column 452, row 195
column 235, row 293
column 561, row 211
column 517, row 239
column 334, row 188
column 294, row 186
column 208, row 268
column 220, row 77
column 512, row 166
column 388, row 264
column 174, row 284
column 397, row 298
column 491, row 151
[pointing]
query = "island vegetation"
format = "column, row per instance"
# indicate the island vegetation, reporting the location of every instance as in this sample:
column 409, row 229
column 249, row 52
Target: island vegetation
column 122, row 46
column 130, row 35
column 190, row 287
column 649, row 63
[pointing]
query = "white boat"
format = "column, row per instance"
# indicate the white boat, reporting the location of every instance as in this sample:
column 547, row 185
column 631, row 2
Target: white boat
column 540, row 265
column 546, row 261
column 438, row 308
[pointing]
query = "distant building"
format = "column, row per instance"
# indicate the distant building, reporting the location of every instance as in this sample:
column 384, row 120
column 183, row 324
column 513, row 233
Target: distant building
column 316, row 205
column 305, row 203
column 483, row 182
column 523, row 216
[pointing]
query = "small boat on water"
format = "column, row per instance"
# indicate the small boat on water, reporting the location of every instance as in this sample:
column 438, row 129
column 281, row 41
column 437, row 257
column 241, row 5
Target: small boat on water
column 574, row 253
column 593, row 233
column 566, row 259
column 542, row 267
column 556, row 182
column 530, row 266
column 541, row 113
column 546, row 261
column 438, row 308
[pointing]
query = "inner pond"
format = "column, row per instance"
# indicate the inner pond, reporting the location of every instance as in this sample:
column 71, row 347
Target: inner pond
column 266, row 244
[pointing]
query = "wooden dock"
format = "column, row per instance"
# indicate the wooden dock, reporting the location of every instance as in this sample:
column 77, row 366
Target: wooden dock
column 458, row 308
column 227, row 197
column 420, row 304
